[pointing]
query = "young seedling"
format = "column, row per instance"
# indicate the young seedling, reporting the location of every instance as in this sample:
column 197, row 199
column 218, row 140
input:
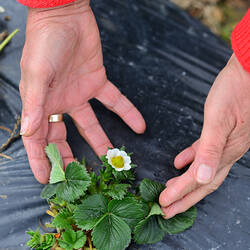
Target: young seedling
column 103, row 211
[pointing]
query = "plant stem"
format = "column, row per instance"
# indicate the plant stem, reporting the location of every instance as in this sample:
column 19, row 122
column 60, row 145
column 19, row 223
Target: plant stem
column 6, row 129
column 90, row 244
column 8, row 39
column 6, row 156
column 14, row 135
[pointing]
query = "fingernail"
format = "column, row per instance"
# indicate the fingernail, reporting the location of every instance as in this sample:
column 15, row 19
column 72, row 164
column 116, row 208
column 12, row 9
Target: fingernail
column 204, row 174
column 24, row 126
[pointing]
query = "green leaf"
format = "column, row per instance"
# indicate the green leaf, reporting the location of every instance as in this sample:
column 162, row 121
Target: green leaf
column 150, row 190
column 57, row 174
column 128, row 209
column 118, row 191
column 103, row 158
column 63, row 220
column 80, row 240
column 48, row 191
column 89, row 212
column 156, row 210
column 148, row 231
column 77, row 182
column 106, row 173
column 72, row 240
column 69, row 236
column 83, row 162
column 178, row 223
column 65, row 245
column 111, row 233
column 40, row 242
column 126, row 176
column 93, row 187
column 34, row 239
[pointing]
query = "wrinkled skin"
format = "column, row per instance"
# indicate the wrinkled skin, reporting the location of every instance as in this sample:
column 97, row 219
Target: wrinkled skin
column 61, row 70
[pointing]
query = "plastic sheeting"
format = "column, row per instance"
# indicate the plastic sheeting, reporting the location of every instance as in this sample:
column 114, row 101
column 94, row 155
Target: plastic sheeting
column 165, row 62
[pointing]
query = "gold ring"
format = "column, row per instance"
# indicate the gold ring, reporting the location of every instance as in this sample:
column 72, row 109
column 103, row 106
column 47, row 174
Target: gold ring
column 56, row 118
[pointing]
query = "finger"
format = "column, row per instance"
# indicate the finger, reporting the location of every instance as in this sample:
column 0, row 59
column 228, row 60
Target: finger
column 57, row 135
column 113, row 99
column 210, row 150
column 186, row 156
column 194, row 197
column 201, row 172
column 33, row 89
column 90, row 129
column 176, row 188
column 35, row 146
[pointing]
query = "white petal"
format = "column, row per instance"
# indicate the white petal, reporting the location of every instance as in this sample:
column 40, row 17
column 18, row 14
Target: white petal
column 110, row 161
column 119, row 169
column 116, row 151
column 127, row 160
column 123, row 154
column 109, row 153
column 127, row 167
column 118, row 154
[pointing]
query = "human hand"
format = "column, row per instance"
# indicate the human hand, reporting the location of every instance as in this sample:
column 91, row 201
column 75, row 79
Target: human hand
column 61, row 70
column 225, row 138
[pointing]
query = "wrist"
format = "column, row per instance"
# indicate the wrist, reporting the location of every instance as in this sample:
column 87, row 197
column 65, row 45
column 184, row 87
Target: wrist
column 45, row 4
column 238, row 69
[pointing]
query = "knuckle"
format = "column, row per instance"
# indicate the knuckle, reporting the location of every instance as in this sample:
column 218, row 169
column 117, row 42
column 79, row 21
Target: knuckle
column 34, row 69
column 162, row 198
column 213, row 150
column 194, row 183
column 168, row 210
column 172, row 192
column 170, row 182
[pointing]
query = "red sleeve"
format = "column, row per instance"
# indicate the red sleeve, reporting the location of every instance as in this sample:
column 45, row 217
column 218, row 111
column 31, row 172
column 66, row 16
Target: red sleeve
column 241, row 41
column 44, row 3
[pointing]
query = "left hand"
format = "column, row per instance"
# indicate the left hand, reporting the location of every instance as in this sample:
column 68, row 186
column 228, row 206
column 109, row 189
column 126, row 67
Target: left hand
column 225, row 138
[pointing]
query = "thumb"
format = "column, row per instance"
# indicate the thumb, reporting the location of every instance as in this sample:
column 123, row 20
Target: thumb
column 33, row 90
column 209, row 153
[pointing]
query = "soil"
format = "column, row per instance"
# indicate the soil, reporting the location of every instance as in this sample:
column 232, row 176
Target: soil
column 220, row 16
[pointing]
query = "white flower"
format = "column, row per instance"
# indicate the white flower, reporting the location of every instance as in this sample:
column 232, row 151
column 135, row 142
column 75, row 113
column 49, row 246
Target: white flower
column 118, row 159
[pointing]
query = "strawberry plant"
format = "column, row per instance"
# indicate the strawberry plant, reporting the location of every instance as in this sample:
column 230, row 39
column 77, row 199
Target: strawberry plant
column 103, row 211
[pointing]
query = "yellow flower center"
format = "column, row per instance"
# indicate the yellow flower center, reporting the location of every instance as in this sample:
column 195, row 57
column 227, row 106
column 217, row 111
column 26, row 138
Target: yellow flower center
column 118, row 161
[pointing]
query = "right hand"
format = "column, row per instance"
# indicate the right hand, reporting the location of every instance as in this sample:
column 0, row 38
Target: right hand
column 61, row 70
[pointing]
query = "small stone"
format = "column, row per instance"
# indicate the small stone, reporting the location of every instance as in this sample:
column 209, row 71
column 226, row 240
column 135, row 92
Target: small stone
column 7, row 18
column 3, row 35
column 2, row 9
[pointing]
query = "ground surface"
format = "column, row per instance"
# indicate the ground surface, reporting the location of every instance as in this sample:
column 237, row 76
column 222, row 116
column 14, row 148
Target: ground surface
column 220, row 16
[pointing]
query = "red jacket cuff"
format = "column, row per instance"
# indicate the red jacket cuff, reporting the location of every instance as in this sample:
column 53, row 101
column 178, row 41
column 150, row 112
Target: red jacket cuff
column 241, row 41
column 44, row 3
